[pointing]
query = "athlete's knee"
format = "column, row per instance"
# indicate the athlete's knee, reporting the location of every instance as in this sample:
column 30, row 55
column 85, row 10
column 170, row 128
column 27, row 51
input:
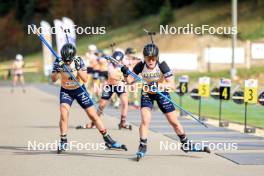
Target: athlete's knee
column 145, row 123
column 124, row 103
column 64, row 115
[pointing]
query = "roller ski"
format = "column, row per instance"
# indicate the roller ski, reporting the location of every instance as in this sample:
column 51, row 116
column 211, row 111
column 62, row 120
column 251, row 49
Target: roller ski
column 140, row 155
column 123, row 125
column 111, row 144
column 62, row 146
column 87, row 126
column 188, row 146
column 141, row 149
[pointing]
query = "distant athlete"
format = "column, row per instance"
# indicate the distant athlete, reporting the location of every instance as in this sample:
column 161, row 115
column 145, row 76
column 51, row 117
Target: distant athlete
column 17, row 70
column 89, row 56
column 115, row 85
column 130, row 61
column 70, row 91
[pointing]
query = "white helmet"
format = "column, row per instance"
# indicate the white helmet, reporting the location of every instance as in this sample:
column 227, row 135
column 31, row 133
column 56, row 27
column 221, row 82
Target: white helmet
column 19, row 57
column 92, row 48
column 120, row 50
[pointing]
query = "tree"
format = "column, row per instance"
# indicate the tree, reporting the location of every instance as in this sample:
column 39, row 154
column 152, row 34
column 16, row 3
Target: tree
column 166, row 13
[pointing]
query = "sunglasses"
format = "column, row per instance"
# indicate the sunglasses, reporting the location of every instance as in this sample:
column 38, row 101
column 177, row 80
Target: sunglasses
column 148, row 59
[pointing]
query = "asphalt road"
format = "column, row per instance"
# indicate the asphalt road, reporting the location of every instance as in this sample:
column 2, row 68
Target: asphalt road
column 34, row 116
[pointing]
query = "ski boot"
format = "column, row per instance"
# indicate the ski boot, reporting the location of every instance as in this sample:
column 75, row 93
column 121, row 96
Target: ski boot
column 111, row 144
column 62, row 145
column 188, row 146
column 142, row 149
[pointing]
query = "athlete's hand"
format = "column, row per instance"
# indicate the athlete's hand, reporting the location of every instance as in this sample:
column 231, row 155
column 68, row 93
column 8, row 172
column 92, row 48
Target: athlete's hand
column 61, row 63
column 153, row 87
column 124, row 70
column 58, row 66
column 77, row 62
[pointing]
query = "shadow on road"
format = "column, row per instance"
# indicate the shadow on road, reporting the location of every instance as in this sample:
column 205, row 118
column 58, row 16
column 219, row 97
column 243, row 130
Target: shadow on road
column 70, row 127
column 20, row 150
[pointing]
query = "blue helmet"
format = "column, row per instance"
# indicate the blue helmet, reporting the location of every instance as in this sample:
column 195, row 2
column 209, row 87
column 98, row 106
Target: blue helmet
column 118, row 55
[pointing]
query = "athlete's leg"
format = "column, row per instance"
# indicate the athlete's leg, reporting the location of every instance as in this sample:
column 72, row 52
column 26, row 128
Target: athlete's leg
column 124, row 108
column 145, row 121
column 169, row 110
column 14, row 82
column 65, row 103
column 15, row 78
column 172, row 118
column 64, row 113
column 143, row 130
column 146, row 107
column 87, row 103
column 92, row 114
column 22, row 81
column 102, row 105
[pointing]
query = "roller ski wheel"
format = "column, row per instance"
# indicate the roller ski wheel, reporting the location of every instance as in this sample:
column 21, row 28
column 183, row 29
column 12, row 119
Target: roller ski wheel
column 116, row 146
column 59, row 151
column 140, row 155
column 207, row 150
column 193, row 149
column 120, row 126
column 61, row 148
column 80, row 127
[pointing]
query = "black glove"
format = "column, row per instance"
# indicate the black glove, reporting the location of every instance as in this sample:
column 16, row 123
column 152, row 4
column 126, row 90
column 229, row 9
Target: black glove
column 77, row 62
column 58, row 66
column 124, row 70
column 153, row 86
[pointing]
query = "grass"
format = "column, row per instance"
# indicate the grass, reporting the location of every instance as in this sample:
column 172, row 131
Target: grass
column 230, row 111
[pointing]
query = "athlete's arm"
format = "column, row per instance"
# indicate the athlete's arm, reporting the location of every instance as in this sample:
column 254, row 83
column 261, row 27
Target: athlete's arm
column 83, row 75
column 57, row 67
column 137, row 70
column 168, row 76
column 169, row 83
column 54, row 76
column 81, row 69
